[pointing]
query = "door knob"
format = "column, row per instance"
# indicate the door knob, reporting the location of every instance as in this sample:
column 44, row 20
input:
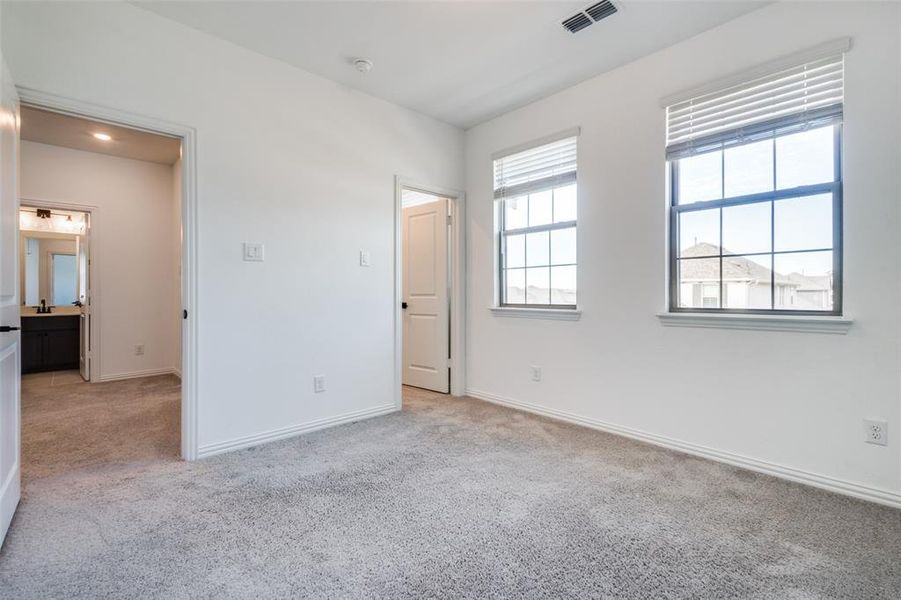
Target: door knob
column 5, row 328
column 403, row 305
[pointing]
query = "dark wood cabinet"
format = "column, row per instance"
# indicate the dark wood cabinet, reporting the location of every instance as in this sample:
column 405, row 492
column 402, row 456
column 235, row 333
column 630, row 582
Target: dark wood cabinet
column 50, row 343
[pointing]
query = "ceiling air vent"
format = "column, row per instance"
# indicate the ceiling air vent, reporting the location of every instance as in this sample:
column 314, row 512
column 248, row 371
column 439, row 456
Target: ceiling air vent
column 577, row 22
column 592, row 14
column 601, row 10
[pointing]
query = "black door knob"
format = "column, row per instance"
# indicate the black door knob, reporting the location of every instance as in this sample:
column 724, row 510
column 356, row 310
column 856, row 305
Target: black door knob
column 403, row 305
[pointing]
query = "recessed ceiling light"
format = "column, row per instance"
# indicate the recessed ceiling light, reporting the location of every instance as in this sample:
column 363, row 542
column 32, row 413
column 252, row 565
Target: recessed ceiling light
column 103, row 136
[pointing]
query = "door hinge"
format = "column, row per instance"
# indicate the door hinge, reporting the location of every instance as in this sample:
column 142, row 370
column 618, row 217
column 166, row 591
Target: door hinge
column 184, row 314
column 450, row 220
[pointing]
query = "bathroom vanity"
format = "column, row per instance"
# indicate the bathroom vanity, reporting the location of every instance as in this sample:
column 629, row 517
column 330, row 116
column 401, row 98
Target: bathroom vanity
column 49, row 341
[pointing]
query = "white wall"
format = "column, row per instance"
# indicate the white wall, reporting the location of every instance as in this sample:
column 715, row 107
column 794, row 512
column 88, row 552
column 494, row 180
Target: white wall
column 133, row 250
column 790, row 399
column 284, row 158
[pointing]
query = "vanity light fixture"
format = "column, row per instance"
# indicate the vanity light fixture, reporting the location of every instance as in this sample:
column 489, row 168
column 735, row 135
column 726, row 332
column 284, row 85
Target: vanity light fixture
column 42, row 219
column 105, row 137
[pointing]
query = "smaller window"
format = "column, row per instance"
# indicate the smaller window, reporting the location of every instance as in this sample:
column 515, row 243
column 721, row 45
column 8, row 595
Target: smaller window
column 537, row 211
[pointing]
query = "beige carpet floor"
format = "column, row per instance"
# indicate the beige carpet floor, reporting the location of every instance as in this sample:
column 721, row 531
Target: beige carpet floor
column 68, row 424
column 451, row 498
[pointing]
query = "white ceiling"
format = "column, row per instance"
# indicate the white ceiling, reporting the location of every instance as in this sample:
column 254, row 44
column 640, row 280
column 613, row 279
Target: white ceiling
column 74, row 132
column 461, row 62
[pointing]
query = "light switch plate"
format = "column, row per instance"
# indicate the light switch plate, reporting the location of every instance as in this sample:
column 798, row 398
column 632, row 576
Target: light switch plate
column 253, row 252
column 365, row 259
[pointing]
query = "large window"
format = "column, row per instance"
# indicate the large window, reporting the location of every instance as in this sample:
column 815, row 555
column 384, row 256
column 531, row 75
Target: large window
column 537, row 203
column 756, row 195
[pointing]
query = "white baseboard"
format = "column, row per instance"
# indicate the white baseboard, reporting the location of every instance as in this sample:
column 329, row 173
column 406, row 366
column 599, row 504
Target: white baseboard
column 293, row 430
column 136, row 374
column 825, row 482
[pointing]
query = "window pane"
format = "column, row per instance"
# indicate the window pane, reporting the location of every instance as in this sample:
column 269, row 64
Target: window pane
column 746, row 228
column 803, row 223
column 65, row 275
column 748, row 169
column 699, row 233
column 563, row 285
column 805, row 158
column 699, row 282
column 538, row 286
column 746, row 281
column 537, row 247
column 515, row 255
column 565, row 204
column 804, row 281
column 515, row 286
column 516, row 212
column 563, row 246
column 540, row 207
column 701, row 178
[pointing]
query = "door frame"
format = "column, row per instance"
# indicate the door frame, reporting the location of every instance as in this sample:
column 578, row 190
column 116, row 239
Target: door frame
column 93, row 274
column 457, row 273
column 188, row 135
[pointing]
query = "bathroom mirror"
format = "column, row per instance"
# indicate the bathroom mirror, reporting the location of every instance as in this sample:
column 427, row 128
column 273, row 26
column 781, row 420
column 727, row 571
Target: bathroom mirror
column 49, row 268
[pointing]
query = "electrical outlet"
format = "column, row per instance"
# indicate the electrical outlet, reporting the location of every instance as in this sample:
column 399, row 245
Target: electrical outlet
column 253, row 252
column 139, row 349
column 318, row 383
column 365, row 258
column 536, row 373
column 875, row 432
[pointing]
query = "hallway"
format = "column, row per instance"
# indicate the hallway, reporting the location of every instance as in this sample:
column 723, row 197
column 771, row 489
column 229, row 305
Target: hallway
column 68, row 424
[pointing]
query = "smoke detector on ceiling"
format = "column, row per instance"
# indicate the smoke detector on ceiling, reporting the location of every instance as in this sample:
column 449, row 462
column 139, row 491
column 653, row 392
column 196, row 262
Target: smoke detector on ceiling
column 363, row 65
column 589, row 16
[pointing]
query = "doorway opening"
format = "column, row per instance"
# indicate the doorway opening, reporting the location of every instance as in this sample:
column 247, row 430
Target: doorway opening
column 101, row 292
column 54, row 281
column 429, row 289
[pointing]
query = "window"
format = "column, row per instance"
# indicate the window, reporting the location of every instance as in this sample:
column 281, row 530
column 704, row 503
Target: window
column 537, row 203
column 64, row 279
column 756, row 194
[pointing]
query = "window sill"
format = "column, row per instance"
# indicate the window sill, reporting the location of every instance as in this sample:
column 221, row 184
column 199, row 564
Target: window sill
column 805, row 324
column 557, row 314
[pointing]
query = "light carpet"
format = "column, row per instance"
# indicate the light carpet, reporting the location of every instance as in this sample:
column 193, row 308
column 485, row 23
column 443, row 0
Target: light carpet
column 451, row 498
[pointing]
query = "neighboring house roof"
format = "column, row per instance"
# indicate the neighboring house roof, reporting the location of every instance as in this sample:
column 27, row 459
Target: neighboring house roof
column 812, row 283
column 735, row 268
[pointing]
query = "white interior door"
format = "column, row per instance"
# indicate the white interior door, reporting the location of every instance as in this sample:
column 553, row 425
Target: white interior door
column 84, row 296
column 425, row 292
column 10, row 374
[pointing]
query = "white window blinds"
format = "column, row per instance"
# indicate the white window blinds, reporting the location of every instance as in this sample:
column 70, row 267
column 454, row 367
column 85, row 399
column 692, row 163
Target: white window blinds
column 799, row 95
column 540, row 168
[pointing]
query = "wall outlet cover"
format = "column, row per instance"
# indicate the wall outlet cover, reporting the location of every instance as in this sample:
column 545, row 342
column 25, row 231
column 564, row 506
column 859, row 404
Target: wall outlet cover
column 535, row 372
column 365, row 258
column 318, row 383
column 253, row 252
column 139, row 349
column 875, row 431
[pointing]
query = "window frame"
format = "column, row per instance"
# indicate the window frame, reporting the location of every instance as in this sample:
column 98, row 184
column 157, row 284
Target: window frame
column 503, row 232
column 835, row 188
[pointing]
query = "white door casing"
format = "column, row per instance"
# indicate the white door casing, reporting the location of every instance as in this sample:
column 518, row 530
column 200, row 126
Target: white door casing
column 10, row 369
column 84, row 296
column 426, row 322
